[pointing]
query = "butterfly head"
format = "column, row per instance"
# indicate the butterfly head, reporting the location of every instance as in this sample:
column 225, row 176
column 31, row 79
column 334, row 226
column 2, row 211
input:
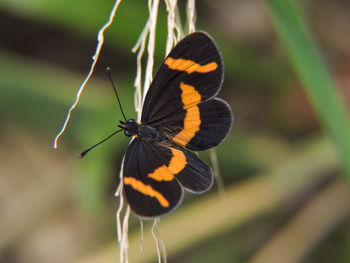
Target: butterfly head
column 130, row 127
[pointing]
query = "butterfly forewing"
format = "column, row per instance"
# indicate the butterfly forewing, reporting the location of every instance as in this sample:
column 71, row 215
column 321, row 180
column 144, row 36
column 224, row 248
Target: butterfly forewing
column 194, row 61
column 149, row 195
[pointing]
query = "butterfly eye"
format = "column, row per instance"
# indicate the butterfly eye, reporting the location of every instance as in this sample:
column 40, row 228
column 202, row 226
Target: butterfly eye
column 127, row 133
column 131, row 121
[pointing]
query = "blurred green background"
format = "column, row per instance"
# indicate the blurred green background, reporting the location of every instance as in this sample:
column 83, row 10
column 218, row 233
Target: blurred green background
column 284, row 164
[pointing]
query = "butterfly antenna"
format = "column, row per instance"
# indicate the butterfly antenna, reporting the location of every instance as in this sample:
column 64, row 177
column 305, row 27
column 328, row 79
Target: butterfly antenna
column 109, row 73
column 86, row 151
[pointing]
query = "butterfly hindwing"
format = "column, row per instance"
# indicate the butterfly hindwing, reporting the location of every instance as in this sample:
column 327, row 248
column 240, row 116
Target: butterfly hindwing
column 200, row 127
column 197, row 176
column 154, row 176
column 216, row 120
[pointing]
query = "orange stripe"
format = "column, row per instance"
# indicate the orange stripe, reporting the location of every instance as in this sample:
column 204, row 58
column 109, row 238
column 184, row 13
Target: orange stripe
column 189, row 66
column 146, row 190
column 190, row 98
column 166, row 173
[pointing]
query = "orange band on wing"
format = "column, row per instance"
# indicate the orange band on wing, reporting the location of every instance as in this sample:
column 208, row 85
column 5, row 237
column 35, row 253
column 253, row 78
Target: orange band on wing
column 166, row 173
column 146, row 190
column 190, row 98
column 189, row 66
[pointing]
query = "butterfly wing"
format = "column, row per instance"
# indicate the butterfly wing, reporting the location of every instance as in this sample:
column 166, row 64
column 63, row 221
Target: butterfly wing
column 202, row 127
column 180, row 99
column 154, row 177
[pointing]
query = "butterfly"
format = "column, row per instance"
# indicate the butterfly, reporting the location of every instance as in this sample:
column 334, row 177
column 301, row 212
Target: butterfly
column 180, row 114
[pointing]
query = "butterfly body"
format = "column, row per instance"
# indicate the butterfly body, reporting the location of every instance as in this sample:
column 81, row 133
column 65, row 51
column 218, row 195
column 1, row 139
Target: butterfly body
column 180, row 113
column 146, row 132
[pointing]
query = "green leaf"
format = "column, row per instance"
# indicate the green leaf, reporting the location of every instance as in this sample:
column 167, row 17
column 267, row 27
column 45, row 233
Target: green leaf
column 311, row 70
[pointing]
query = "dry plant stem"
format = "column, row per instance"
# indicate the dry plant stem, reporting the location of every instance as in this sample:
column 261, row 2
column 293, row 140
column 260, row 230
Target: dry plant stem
column 163, row 247
column 161, row 242
column 173, row 29
column 179, row 29
column 191, row 15
column 100, row 39
column 310, row 225
column 124, row 245
column 119, row 193
column 160, row 246
column 140, row 46
column 141, row 234
column 155, row 237
column 257, row 196
column 122, row 236
column 219, row 181
column 153, row 10
column 170, row 5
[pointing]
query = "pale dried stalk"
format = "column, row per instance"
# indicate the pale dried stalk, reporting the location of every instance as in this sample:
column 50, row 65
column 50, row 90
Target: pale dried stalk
column 172, row 39
column 119, row 193
column 124, row 244
column 160, row 246
column 219, row 182
column 100, row 39
column 141, row 233
column 155, row 224
column 153, row 10
column 140, row 46
column 191, row 15
column 179, row 29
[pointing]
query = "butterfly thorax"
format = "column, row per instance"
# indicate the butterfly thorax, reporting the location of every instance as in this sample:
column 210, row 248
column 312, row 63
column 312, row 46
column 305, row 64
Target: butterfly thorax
column 132, row 128
column 149, row 133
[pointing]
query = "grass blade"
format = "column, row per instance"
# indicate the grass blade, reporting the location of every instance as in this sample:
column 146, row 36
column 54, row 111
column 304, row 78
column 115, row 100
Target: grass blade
column 310, row 68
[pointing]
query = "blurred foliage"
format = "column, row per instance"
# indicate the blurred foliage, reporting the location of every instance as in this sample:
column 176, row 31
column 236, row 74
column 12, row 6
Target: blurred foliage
column 56, row 204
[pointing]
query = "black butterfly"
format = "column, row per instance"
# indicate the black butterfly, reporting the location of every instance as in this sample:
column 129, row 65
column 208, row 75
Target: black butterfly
column 180, row 112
